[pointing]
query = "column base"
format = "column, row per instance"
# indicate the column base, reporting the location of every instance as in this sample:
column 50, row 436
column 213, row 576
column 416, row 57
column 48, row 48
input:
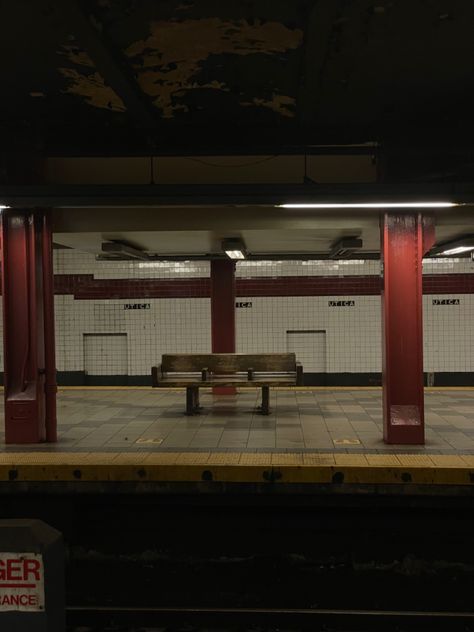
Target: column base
column 21, row 418
column 405, row 425
column 224, row 390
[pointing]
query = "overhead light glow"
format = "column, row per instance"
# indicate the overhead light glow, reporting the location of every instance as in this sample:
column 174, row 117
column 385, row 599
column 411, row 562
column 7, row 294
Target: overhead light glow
column 372, row 205
column 235, row 254
column 234, row 248
column 458, row 250
column 2, row 207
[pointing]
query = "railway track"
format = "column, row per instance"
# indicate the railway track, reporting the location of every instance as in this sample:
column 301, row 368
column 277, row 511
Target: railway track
column 115, row 619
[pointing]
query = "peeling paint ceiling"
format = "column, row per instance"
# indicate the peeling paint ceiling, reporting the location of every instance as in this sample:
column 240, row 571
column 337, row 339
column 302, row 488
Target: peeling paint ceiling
column 171, row 60
column 86, row 82
column 241, row 73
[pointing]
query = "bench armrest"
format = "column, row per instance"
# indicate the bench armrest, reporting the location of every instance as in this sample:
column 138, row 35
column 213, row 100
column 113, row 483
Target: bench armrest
column 156, row 374
column 299, row 374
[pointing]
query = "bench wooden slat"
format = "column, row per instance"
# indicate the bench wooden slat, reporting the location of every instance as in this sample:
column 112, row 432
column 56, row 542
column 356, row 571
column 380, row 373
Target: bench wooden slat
column 228, row 362
column 173, row 382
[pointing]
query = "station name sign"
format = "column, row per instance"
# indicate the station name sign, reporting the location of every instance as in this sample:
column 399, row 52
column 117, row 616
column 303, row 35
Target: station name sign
column 341, row 303
column 244, row 304
column 446, row 301
column 21, row 582
column 137, row 306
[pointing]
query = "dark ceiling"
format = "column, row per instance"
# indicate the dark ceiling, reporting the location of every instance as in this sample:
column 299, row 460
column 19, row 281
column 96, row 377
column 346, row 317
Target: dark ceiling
column 241, row 76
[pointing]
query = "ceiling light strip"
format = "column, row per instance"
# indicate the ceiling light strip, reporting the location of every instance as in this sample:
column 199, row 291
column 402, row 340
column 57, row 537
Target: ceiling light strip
column 372, row 205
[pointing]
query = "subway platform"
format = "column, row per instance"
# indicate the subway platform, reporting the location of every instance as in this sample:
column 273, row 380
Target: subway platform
column 314, row 438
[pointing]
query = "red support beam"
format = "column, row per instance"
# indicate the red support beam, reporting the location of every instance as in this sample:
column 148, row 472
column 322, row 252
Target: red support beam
column 405, row 237
column 223, row 311
column 49, row 338
column 28, row 326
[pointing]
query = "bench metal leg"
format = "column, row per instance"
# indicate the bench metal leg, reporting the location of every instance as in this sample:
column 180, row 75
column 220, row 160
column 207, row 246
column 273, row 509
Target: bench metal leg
column 197, row 407
column 192, row 400
column 265, row 407
column 189, row 400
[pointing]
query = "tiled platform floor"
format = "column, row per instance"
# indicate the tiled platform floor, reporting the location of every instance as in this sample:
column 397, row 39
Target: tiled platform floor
column 332, row 420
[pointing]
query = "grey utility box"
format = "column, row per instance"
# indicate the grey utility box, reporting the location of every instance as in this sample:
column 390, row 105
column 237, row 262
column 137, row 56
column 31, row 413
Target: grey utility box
column 31, row 577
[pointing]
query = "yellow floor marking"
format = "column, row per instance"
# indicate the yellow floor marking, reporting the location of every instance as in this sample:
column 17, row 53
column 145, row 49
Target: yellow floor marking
column 287, row 458
column 318, row 459
column 108, row 388
column 244, row 389
column 95, row 458
column 447, row 460
column 193, row 458
column 235, row 467
column 130, row 458
column 449, row 388
column 415, row 460
column 350, row 459
column 383, row 460
column 223, row 458
column 161, row 458
column 255, row 458
column 42, row 458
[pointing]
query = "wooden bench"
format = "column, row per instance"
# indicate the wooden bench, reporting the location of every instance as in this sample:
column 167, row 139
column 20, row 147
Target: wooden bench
column 195, row 370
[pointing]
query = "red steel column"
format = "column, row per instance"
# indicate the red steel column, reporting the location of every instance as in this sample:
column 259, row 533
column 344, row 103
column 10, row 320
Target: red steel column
column 25, row 358
column 404, row 240
column 49, row 338
column 223, row 311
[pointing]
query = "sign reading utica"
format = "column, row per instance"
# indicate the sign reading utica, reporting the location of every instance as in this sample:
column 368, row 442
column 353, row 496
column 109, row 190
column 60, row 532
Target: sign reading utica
column 21, row 582
column 446, row 301
column 341, row 303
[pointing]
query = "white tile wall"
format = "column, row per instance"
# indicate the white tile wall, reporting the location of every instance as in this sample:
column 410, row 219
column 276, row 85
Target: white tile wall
column 448, row 334
column 310, row 348
column 349, row 267
column 353, row 334
column 169, row 326
column 105, row 354
column 444, row 265
column 251, row 269
column 75, row 262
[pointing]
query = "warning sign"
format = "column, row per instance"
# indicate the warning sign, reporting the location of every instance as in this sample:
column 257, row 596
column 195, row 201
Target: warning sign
column 21, row 582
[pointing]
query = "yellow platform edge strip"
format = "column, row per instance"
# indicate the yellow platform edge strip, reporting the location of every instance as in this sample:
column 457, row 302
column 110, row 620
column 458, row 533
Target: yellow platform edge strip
column 251, row 388
column 265, row 468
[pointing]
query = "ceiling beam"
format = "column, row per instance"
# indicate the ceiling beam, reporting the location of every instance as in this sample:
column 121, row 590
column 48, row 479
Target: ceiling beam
column 110, row 64
column 76, row 196
column 317, row 39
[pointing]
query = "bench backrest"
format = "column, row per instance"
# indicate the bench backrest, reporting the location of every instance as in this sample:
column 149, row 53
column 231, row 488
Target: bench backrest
column 228, row 362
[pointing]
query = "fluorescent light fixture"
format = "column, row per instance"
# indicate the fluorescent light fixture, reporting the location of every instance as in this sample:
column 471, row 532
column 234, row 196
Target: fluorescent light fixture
column 458, row 250
column 235, row 254
column 371, row 205
column 345, row 247
column 234, row 248
column 457, row 246
column 119, row 250
column 2, row 207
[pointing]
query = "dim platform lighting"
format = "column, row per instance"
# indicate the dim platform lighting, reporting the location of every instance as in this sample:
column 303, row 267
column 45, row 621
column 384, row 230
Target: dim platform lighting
column 400, row 205
column 458, row 246
column 234, row 248
column 235, row 254
column 458, row 250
